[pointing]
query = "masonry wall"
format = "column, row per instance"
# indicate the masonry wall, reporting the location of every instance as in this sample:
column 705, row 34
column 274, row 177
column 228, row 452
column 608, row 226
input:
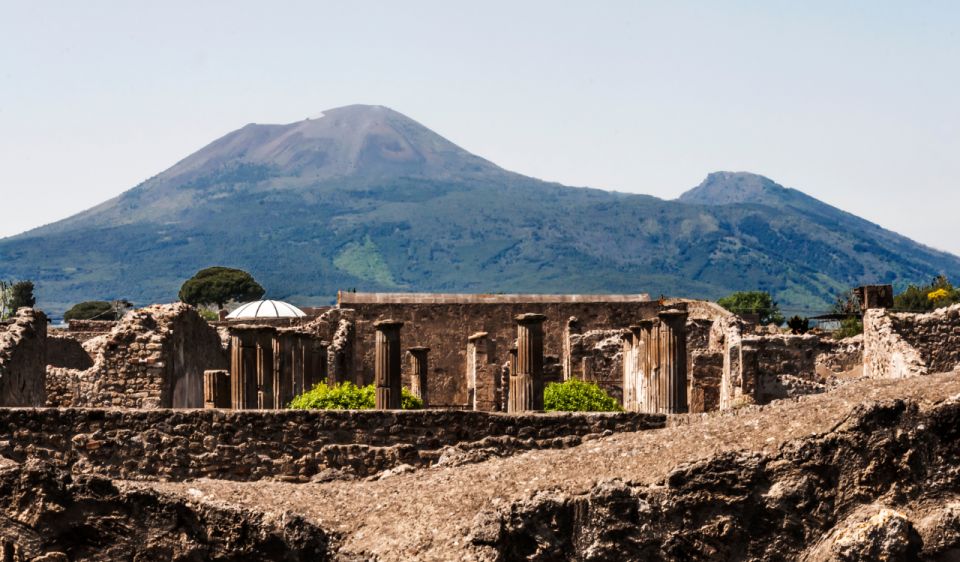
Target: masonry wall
column 23, row 359
column 897, row 345
column 66, row 351
column 288, row 444
column 444, row 322
column 154, row 357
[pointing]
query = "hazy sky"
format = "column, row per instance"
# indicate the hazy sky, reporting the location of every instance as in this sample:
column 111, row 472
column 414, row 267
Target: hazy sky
column 856, row 103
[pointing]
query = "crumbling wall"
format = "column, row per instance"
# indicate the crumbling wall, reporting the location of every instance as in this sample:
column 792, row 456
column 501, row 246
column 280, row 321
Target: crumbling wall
column 897, row 345
column 758, row 369
column 705, row 374
column 154, row 357
column 843, row 358
column 64, row 350
column 292, row 445
column 444, row 322
column 597, row 356
column 23, row 359
column 83, row 330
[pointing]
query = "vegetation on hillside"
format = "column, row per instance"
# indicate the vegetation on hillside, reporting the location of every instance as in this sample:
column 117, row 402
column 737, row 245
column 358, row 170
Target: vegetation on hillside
column 347, row 396
column 754, row 302
column 220, row 285
column 575, row 395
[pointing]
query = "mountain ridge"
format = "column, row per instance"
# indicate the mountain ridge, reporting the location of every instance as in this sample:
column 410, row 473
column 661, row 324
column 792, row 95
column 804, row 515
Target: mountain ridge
column 365, row 197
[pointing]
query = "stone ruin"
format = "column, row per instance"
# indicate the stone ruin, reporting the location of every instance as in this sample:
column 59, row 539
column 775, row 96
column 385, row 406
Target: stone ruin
column 731, row 446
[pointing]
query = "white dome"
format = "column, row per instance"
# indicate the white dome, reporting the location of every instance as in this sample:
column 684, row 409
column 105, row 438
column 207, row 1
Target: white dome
column 265, row 309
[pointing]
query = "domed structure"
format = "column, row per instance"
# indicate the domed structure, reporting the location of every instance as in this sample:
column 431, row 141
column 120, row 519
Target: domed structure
column 265, row 309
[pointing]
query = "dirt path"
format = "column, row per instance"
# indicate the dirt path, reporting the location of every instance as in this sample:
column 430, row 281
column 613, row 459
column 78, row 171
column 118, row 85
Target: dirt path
column 428, row 514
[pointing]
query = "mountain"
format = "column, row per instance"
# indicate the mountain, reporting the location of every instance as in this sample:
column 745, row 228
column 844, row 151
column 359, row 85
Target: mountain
column 364, row 197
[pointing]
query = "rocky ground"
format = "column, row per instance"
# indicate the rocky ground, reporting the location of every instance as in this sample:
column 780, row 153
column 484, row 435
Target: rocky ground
column 867, row 471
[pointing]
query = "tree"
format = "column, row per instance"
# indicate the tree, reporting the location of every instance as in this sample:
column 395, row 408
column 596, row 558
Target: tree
column 91, row 310
column 754, row 302
column 21, row 296
column 219, row 285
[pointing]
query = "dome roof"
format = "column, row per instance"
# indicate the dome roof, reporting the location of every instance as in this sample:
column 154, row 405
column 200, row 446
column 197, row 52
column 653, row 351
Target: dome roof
column 265, row 309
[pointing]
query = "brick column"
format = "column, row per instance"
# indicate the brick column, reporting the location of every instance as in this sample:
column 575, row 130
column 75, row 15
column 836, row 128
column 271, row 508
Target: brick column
column 419, row 369
column 216, row 389
column 673, row 362
column 526, row 381
column 387, row 364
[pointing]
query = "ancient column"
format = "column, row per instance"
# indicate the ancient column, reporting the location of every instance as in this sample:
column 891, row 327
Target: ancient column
column 419, row 369
column 387, row 364
column 266, row 370
column 647, row 365
column 632, row 371
column 216, row 389
column 672, row 342
column 526, row 381
column 243, row 370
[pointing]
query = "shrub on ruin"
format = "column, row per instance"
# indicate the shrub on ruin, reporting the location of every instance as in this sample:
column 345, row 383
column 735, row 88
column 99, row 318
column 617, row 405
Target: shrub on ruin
column 347, row 396
column 578, row 396
column 849, row 327
column 220, row 285
column 91, row 310
column 799, row 325
column 922, row 298
column 754, row 302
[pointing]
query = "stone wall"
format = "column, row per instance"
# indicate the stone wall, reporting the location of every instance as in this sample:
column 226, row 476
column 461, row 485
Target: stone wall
column 444, row 322
column 761, row 368
column 64, row 350
column 154, row 357
column 83, row 330
column 23, row 359
column 292, row 445
column 897, row 345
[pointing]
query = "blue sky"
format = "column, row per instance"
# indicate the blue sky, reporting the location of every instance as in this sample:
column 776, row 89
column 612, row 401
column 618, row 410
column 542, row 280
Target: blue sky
column 856, row 103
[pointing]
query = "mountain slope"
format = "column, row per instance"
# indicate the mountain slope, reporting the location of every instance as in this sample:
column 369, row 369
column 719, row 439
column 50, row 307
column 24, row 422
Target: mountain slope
column 367, row 198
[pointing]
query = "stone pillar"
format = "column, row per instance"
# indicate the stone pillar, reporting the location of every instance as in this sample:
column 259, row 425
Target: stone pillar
column 243, row 370
column 632, row 372
column 526, row 381
column 648, row 366
column 216, row 389
column 673, row 362
column 419, row 368
column 483, row 377
column 387, row 364
column 266, row 370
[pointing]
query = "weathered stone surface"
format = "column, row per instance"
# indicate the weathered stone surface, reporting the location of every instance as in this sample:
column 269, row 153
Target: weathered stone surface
column 760, row 483
column 23, row 359
column 154, row 357
column 51, row 515
column 291, row 444
column 897, row 345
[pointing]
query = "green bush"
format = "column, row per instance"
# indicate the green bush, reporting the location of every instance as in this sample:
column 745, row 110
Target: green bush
column 578, row 396
column 849, row 327
column 754, row 302
column 347, row 396
column 91, row 310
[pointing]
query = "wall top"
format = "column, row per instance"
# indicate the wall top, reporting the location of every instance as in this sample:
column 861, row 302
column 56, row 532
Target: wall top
column 344, row 298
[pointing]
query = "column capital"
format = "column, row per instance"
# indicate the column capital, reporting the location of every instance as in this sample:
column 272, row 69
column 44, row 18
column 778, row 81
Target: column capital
column 530, row 318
